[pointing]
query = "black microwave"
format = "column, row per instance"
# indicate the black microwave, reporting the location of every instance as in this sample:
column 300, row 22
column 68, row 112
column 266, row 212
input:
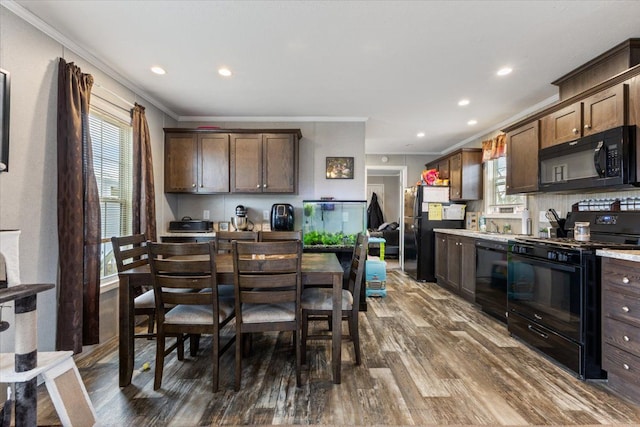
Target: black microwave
column 605, row 159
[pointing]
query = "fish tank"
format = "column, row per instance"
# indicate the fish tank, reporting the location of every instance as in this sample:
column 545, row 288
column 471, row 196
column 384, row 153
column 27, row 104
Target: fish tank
column 333, row 224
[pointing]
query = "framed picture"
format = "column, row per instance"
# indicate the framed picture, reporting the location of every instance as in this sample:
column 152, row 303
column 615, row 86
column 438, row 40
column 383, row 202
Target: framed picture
column 223, row 226
column 4, row 120
column 339, row 167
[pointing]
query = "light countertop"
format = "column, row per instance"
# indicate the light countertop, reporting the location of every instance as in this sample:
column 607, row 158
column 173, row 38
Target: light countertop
column 498, row 237
column 627, row 254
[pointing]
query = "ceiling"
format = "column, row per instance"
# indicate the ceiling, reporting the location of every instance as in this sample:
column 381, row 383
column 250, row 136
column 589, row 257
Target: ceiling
column 401, row 66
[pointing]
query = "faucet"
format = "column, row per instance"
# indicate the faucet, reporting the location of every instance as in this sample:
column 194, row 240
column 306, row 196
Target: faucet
column 497, row 228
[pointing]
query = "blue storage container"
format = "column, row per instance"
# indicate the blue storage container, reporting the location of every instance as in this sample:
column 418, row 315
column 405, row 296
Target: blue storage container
column 376, row 278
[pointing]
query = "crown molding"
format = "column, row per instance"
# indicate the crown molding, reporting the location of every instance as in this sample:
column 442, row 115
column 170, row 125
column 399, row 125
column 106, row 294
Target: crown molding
column 270, row 119
column 47, row 29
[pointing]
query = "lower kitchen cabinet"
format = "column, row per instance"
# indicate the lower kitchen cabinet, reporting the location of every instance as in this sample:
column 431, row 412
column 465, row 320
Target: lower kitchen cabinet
column 621, row 325
column 456, row 264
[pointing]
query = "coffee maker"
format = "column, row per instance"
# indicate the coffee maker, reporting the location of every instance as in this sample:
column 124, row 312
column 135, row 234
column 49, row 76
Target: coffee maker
column 282, row 217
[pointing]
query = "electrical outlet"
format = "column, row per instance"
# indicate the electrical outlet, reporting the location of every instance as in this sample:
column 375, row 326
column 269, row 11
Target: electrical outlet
column 265, row 215
column 205, row 214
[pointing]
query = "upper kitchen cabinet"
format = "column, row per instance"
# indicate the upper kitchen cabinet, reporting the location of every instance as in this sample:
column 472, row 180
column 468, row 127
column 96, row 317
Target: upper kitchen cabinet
column 522, row 158
column 265, row 162
column 442, row 166
column 465, row 174
column 605, row 110
column 196, row 163
column 596, row 113
column 463, row 169
column 562, row 125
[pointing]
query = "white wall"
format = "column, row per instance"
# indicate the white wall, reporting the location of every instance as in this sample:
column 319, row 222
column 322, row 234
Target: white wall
column 28, row 191
column 414, row 163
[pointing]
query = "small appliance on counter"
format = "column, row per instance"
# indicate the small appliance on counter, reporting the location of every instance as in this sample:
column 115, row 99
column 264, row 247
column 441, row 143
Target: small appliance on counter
column 190, row 225
column 240, row 222
column 282, row 218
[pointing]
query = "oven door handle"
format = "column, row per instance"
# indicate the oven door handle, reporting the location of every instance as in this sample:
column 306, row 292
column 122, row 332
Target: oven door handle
column 537, row 332
column 543, row 263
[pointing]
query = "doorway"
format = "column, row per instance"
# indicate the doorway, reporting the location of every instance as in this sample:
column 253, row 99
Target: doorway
column 393, row 180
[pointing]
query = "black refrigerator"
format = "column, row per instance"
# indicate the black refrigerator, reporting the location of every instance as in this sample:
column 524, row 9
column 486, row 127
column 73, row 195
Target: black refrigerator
column 419, row 237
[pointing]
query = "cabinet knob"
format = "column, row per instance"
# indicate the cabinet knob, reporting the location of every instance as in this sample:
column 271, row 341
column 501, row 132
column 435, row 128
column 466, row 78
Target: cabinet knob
column 587, row 127
column 625, row 366
column 193, row 185
column 575, row 131
column 625, row 280
column 625, row 309
column 264, row 185
column 626, row 338
column 258, row 186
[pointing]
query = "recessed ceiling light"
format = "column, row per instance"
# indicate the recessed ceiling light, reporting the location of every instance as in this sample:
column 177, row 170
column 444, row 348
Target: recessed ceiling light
column 504, row 71
column 420, row 134
column 472, row 122
column 224, row 72
column 463, row 102
column 158, row 70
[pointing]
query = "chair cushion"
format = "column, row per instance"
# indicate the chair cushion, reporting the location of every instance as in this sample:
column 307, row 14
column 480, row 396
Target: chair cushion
column 267, row 313
column 184, row 314
column 146, row 300
column 321, row 299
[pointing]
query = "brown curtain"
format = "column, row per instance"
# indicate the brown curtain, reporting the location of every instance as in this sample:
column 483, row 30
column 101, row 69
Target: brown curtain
column 78, row 215
column 494, row 148
column 144, row 202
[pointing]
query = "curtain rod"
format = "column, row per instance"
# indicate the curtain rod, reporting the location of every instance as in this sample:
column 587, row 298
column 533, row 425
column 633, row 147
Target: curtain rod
column 114, row 94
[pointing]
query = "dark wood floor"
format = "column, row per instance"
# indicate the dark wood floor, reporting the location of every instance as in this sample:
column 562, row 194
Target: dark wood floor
column 429, row 358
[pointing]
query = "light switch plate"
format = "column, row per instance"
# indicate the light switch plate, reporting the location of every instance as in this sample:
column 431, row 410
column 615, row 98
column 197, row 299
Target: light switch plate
column 265, row 215
column 205, row 214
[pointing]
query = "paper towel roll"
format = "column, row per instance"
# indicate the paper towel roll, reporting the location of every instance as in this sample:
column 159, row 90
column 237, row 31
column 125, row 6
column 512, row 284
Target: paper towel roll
column 526, row 222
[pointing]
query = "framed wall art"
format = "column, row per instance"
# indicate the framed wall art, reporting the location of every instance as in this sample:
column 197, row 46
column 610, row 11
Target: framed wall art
column 4, row 120
column 339, row 167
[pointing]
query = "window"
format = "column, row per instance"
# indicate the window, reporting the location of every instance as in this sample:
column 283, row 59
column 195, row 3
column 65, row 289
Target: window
column 111, row 140
column 496, row 197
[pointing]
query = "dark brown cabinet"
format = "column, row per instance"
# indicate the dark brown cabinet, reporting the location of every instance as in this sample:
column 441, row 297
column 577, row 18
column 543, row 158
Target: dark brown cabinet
column 238, row 161
column 456, row 264
column 605, row 110
column 196, row 163
column 621, row 325
column 522, row 159
column 468, row 268
column 596, row 113
column 463, row 169
column 442, row 166
column 561, row 126
column 264, row 163
column 465, row 175
column 441, row 258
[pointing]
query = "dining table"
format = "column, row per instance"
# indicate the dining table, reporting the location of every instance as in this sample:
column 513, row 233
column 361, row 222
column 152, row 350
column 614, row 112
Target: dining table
column 317, row 269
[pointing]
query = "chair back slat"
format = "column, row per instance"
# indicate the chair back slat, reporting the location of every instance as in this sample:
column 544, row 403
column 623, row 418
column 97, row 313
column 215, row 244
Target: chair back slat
column 267, row 272
column 356, row 270
column 129, row 251
column 224, row 239
column 275, row 236
column 180, row 271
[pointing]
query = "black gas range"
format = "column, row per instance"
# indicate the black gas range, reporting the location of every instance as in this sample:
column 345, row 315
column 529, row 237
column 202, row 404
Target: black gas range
column 553, row 288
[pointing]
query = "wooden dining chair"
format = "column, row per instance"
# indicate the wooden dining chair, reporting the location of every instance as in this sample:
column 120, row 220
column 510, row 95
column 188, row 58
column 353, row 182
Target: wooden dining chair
column 268, row 284
column 188, row 267
column 276, row 236
column 224, row 239
column 131, row 252
column 317, row 303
